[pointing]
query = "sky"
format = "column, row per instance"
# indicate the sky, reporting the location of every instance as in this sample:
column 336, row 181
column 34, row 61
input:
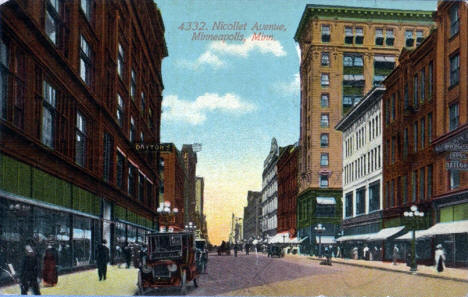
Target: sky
column 234, row 96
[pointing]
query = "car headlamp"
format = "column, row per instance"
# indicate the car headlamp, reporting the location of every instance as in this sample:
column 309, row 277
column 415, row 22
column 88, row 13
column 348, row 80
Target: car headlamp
column 172, row 267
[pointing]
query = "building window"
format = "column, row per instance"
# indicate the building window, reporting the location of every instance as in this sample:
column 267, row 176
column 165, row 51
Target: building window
column 379, row 38
column 415, row 137
column 415, row 91
column 392, row 193
column 454, row 176
column 414, row 183
column 132, row 129
column 325, row 33
column 80, row 144
column 429, row 182
column 454, row 69
column 325, row 59
column 406, row 97
column 324, row 181
column 121, row 61
column 108, row 153
column 349, row 204
column 324, row 159
column 453, row 116
column 374, row 196
column 419, row 37
column 360, row 201
column 429, row 81
column 422, row 87
column 404, row 189
column 143, row 103
column 390, row 37
column 324, row 140
column 405, row 143
column 324, row 122
column 48, row 114
column 141, row 187
column 120, row 170
column 325, row 80
column 120, row 110
column 349, row 35
column 3, row 78
column 454, row 19
column 429, row 128
column 350, row 60
column 86, row 8
column 423, row 132
column 133, row 85
column 52, row 20
column 393, row 149
column 324, row 100
column 409, row 38
column 131, row 180
column 142, row 137
column 422, row 181
column 359, row 35
column 393, row 106
column 85, row 61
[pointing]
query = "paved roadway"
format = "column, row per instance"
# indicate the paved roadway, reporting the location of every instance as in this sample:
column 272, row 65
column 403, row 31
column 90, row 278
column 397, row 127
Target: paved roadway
column 299, row 276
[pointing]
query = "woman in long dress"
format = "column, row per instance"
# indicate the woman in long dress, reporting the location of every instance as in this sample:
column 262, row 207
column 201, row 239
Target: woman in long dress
column 439, row 258
column 49, row 270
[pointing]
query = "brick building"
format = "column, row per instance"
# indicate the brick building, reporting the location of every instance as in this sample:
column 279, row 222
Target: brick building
column 80, row 82
column 173, row 178
column 287, row 189
column 425, row 119
column 345, row 51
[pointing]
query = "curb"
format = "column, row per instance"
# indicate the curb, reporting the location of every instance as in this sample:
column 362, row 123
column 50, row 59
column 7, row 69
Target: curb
column 400, row 271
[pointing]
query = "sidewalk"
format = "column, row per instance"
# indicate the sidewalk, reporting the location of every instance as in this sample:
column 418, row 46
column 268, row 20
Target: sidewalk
column 120, row 281
column 455, row 274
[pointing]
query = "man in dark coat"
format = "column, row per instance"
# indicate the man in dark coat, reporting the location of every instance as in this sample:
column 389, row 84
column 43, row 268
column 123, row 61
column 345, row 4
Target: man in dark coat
column 29, row 272
column 102, row 258
column 127, row 251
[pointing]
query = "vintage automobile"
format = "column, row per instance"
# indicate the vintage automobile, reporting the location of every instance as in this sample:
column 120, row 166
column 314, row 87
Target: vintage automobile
column 169, row 262
column 276, row 251
column 201, row 254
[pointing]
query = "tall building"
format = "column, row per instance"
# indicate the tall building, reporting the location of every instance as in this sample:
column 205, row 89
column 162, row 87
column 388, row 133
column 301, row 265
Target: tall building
column 80, row 83
column 287, row 189
column 345, row 51
column 270, row 192
column 425, row 137
column 173, row 179
column 236, row 235
column 362, row 173
column 199, row 196
column 252, row 215
column 190, row 161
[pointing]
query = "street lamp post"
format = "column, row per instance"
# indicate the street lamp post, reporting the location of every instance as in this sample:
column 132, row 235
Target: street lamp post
column 413, row 214
column 319, row 229
column 166, row 213
column 190, row 227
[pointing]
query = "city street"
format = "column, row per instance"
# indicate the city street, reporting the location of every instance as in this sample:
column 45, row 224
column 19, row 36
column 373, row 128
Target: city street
column 259, row 275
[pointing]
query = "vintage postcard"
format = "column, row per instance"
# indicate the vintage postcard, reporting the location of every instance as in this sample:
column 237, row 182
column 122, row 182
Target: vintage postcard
column 234, row 147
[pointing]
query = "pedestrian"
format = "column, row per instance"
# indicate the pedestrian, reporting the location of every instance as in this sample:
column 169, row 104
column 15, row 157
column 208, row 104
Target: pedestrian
column 247, row 248
column 235, row 250
column 395, row 254
column 118, row 252
column 328, row 255
column 49, row 268
column 366, row 252
column 127, row 251
column 102, row 258
column 355, row 253
column 439, row 258
column 29, row 272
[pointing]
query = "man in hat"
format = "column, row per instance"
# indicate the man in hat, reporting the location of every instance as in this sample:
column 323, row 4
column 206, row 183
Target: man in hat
column 102, row 258
column 29, row 272
column 439, row 258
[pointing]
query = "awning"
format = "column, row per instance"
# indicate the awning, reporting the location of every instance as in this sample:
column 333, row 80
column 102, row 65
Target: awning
column 447, row 228
column 384, row 59
column 326, row 200
column 353, row 77
column 282, row 237
column 325, row 239
column 385, row 233
column 409, row 235
column 354, row 237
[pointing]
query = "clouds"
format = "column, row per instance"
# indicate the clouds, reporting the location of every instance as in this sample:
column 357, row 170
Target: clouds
column 195, row 112
column 217, row 51
column 291, row 88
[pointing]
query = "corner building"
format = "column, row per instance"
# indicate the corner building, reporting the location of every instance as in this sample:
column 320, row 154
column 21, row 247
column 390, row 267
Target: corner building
column 345, row 51
column 80, row 83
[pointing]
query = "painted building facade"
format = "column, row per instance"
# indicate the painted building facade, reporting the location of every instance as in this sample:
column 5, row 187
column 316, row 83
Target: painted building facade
column 252, row 215
column 269, row 203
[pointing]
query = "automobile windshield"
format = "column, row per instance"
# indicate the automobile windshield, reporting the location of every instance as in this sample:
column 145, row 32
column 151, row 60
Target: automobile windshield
column 167, row 244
